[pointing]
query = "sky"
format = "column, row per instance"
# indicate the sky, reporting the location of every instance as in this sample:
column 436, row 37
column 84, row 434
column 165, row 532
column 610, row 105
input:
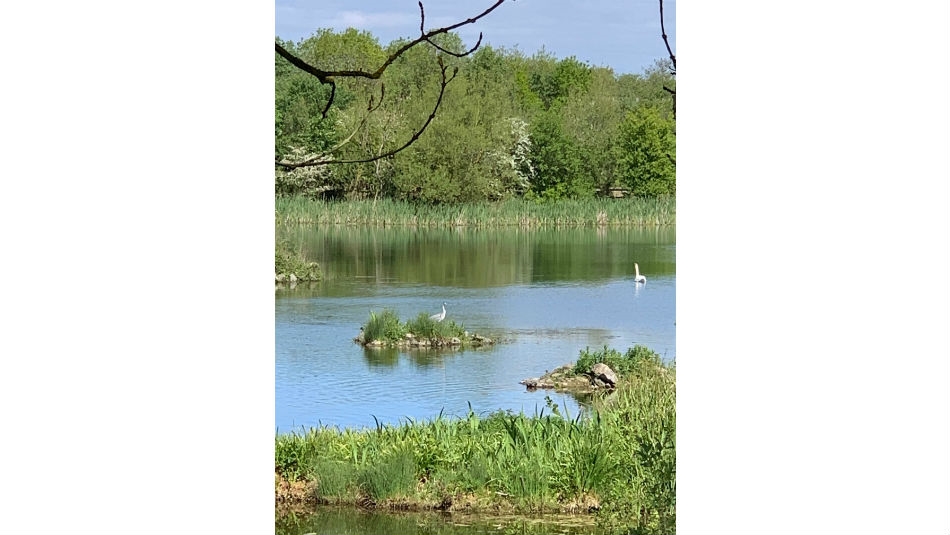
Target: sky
column 624, row 35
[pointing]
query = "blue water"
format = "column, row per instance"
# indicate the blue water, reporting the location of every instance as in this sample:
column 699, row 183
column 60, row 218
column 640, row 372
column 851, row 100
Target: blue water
column 323, row 377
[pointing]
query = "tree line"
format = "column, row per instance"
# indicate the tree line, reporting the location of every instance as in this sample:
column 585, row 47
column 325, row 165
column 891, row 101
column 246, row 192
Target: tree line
column 508, row 124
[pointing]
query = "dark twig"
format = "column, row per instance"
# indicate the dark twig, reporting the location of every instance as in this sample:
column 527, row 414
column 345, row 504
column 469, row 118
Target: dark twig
column 321, row 159
column 327, row 77
column 666, row 41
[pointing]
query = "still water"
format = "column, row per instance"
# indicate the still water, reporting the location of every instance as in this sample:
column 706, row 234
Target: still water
column 545, row 295
column 350, row 520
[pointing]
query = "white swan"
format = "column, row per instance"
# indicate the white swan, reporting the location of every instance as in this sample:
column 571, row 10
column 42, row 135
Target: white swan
column 438, row 317
column 638, row 277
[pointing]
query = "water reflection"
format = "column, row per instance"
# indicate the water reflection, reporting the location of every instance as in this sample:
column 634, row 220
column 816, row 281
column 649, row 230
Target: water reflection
column 381, row 356
column 332, row 520
column 544, row 296
column 479, row 258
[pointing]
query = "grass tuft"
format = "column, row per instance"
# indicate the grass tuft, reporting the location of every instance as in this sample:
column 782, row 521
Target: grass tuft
column 384, row 326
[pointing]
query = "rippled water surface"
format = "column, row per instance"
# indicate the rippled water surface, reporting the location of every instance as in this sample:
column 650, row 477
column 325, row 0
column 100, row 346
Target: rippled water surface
column 544, row 294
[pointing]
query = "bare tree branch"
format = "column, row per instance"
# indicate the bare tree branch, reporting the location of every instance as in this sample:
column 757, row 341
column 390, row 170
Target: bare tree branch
column 666, row 41
column 327, row 77
column 321, row 158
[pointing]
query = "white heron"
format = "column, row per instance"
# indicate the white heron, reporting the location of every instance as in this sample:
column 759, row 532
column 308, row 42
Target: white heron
column 638, row 277
column 440, row 316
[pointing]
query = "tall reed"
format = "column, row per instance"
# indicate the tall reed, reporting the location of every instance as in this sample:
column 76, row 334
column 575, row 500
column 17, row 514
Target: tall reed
column 593, row 212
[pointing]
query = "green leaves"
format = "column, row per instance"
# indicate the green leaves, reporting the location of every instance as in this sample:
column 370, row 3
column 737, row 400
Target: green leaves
column 508, row 125
column 647, row 153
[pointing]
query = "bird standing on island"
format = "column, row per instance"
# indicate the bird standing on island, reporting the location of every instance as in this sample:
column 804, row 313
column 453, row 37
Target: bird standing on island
column 638, row 277
column 439, row 317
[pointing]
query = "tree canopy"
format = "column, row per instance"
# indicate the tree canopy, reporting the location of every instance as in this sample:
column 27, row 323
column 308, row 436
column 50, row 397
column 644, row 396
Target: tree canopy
column 508, row 124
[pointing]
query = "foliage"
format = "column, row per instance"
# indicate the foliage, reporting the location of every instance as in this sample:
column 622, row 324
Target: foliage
column 620, row 457
column 384, row 326
column 647, row 146
column 394, row 475
column 509, row 126
column 557, row 161
column 387, row 327
column 637, row 361
column 425, row 327
column 336, row 480
column 298, row 122
column 287, row 261
column 554, row 82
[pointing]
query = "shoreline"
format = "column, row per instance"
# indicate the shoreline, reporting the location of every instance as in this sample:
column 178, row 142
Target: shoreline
column 616, row 464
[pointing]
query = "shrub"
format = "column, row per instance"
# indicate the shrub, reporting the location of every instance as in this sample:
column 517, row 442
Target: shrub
column 635, row 362
column 287, row 261
column 383, row 326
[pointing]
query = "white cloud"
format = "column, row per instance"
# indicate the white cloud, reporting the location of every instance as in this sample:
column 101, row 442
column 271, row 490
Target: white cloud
column 363, row 20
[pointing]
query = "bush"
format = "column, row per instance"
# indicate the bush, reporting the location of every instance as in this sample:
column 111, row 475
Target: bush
column 383, row 326
column 287, row 261
column 635, row 362
column 425, row 327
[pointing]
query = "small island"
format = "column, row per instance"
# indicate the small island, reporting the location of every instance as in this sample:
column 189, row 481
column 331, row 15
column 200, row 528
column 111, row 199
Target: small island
column 599, row 370
column 387, row 330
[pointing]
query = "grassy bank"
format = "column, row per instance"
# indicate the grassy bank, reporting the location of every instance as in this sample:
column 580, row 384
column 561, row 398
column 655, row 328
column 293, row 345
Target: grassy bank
column 597, row 212
column 618, row 462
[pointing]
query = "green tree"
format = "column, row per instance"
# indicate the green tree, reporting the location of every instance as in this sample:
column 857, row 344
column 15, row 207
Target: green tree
column 592, row 119
column 328, row 63
column 558, row 162
column 647, row 152
column 299, row 127
column 553, row 82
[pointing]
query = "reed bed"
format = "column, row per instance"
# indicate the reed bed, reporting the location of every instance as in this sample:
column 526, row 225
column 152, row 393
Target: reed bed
column 594, row 212
column 618, row 461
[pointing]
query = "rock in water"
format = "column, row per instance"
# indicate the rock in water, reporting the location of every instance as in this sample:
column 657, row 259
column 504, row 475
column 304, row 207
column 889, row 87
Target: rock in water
column 601, row 372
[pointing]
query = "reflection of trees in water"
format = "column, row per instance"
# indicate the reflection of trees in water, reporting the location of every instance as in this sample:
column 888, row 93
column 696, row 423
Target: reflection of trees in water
column 419, row 357
column 481, row 258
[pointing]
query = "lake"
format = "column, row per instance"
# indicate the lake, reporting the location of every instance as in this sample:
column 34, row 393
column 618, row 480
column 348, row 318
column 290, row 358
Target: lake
column 543, row 294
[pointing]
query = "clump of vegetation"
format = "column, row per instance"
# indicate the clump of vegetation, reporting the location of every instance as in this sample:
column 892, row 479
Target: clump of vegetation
column 386, row 328
column 426, row 327
column 637, row 361
column 392, row 476
column 618, row 460
column 288, row 262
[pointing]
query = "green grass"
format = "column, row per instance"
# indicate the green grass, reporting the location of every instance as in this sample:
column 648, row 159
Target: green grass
column 393, row 476
column 635, row 362
column 620, row 458
column 384, row 326
column 595, row 212
column 387, row 327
